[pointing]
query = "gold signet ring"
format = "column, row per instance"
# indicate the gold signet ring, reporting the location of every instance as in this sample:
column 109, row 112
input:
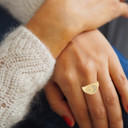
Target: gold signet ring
column 91, row 88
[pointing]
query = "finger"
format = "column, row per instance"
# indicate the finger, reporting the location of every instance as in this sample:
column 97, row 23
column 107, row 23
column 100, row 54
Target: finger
column 120, row 80
column 124, row 9
column 58, row 104
column 110, row 99
column 96, row 106
column 77, row 103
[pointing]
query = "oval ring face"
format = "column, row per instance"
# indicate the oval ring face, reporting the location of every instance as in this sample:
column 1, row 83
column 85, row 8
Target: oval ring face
column 91, row 88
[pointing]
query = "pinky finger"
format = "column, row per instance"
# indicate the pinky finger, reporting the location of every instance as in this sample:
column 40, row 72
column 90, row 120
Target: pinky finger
column 58, row 104
column 120, row 80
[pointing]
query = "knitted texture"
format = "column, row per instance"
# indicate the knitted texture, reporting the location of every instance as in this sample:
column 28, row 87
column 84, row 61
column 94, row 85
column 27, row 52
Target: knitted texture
column 25, row 67
column 22, row 10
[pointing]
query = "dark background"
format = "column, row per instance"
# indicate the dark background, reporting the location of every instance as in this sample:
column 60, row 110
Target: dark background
column 40, row 114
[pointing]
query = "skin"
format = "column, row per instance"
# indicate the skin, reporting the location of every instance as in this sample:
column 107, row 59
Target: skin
column 56, row 23
column 87, row 59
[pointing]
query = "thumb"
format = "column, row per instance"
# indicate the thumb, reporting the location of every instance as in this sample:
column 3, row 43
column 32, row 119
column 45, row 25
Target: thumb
column 58, row 103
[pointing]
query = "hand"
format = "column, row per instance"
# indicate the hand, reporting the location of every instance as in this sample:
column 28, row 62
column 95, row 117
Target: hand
column 56, row 23
column 87, row 59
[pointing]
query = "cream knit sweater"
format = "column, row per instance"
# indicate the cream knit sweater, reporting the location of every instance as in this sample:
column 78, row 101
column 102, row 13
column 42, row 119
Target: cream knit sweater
column 25, row 64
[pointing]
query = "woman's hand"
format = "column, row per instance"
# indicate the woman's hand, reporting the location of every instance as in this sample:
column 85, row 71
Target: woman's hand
column 57, row 22
column 83, row 15
column 89, row 58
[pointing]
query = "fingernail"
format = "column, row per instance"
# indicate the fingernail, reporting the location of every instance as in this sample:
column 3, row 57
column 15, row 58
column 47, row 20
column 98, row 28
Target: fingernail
column 67, row 120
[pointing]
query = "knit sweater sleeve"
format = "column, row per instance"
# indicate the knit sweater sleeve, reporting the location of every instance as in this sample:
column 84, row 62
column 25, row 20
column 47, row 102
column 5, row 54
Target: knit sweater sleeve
column 23, row 10
column 25, row 67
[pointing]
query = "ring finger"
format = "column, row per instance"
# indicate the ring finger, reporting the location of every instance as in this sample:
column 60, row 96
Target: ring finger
column 96, row 106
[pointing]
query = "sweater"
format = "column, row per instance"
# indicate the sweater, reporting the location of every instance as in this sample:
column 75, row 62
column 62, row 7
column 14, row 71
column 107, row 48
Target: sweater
column 25, row 65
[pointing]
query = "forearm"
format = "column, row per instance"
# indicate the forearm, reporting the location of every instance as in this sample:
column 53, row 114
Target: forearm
column 47, row 25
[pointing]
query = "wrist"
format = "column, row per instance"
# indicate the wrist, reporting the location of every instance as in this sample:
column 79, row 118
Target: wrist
column 53, row 33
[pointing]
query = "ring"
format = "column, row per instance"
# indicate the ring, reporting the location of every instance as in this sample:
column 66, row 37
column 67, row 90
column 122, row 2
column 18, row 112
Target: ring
column 91, row 88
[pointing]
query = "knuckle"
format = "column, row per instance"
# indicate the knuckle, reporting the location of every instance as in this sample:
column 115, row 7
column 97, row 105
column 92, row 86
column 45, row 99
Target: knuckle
column 115, row 6
column 68, row 81
column 68, row 77
column 111, row 98
column 99, row 112
column 88, row 67
column 101, row 58
column 121, row 79
column 82, row 114
column 118, row 123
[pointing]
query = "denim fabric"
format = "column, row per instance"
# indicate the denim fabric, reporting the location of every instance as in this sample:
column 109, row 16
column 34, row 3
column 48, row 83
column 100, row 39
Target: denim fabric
column 40, row 114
